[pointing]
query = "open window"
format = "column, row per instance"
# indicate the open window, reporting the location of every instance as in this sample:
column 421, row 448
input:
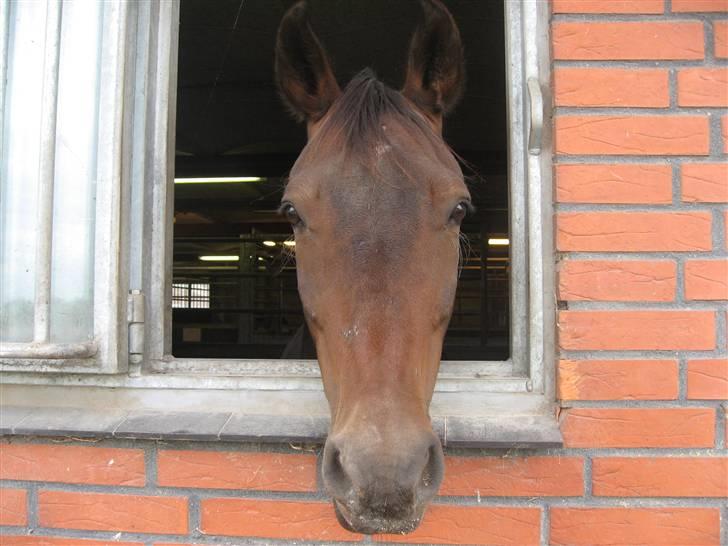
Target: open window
column 209, row 301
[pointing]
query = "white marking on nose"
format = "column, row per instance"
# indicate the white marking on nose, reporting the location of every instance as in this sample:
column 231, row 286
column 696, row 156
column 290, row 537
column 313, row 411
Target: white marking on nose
column 351, row 332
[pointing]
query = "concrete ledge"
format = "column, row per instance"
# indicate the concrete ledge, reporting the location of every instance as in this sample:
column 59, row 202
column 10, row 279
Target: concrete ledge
column 454, row 431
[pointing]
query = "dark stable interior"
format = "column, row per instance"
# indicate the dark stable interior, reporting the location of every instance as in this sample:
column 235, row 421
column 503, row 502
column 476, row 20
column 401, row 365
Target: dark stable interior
column 231, row 123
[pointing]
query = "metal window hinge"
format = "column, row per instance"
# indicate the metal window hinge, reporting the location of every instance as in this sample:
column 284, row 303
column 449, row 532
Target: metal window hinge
column 135, row 318
column 536, row 107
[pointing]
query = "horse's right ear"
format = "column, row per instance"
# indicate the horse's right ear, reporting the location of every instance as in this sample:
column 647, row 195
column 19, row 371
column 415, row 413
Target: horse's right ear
column 303, row 72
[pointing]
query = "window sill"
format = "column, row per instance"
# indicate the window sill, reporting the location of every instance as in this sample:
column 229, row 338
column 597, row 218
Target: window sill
column 454, row 431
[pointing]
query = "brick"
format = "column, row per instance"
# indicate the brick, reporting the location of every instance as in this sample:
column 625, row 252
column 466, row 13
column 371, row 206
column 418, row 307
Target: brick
column 708, row 379
column 660, row 477
column 702, row 87
column 682, row 6
column 633, row 231
column 474, row 525
column 513, row 476
column 613, row 184
column 706, row 279
column 632, row 135
column 13, row 506
column 649, row 330
column 34, row 540
column 644, row 526
column 608, row 6
column 618, row 380
column 235, row 470
column 72, row 464
column 617, row 280
column 632, row 427
column 724, row 133
column 720, row 39
column 107, row 512
column 705, row 182
column 272, row 519
column 627, row 41
column 585, row 87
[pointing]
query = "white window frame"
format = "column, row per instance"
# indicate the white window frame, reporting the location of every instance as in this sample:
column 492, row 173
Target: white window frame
column 521, row 386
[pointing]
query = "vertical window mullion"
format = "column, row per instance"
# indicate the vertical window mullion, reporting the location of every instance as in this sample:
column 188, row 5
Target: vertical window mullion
column 46, row 170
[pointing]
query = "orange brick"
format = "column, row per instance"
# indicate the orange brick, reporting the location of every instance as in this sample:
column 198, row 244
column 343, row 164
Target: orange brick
column 644, row 526
column 720, row 39
column 611, row 87
column 72, row 464
column 474, row 525
column 706, row 280
column 627, row 41
column 724, row 133
column 272, row 519
column 660, row 477
column 708, row 379
column 617, row 280
column 13, row 506
column 608, row 6
column 633, row 231
column 621, row 183
column 682, row 6
column 649, row 330
column 702, row 87
column 618, row 380
column 106, row 512
column 631, row 427
column 513, row 476
column 632, row 135
column 705, row 182
column 35, row 540
column 228, row 470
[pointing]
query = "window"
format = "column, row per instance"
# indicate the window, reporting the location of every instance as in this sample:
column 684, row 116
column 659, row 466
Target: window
column 235, row 144
column 147, row 235
column 186, row 295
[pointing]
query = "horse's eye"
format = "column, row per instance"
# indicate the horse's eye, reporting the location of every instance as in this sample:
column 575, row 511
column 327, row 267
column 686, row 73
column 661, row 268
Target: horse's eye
column 291, row 214
column 458, row 213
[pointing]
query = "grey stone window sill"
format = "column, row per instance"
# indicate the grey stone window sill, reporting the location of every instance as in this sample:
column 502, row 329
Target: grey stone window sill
column 454, row 431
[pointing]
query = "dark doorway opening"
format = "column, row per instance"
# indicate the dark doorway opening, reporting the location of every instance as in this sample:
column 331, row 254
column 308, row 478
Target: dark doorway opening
column 234, row 279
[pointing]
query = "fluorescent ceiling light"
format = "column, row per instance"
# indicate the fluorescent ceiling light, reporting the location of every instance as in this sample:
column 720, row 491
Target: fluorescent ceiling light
column 269, row 243
column 219, row 180
column 498, row 242
column 289, row 243
column 219, row 258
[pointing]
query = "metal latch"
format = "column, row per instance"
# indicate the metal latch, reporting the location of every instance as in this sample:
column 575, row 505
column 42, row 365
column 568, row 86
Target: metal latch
column 135, row 318
column 536, row 128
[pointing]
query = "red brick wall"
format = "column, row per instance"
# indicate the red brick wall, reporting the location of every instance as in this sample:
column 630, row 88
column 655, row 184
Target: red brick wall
column 641, row 186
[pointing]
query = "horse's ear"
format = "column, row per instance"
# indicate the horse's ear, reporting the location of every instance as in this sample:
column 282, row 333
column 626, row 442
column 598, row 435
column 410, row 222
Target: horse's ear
column 303, row 72
column 436, row 65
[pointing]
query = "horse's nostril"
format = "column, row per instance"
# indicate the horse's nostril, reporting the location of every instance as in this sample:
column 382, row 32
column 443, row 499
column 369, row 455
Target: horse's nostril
column 432, row 472
column 334, row 475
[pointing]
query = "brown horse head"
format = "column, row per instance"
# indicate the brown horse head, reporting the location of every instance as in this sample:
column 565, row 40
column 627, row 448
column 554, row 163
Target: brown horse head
column 376, row 199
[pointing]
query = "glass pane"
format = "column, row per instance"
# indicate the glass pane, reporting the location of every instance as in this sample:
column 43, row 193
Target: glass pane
column 75, row 180
column 19, row 169
column 75, row 171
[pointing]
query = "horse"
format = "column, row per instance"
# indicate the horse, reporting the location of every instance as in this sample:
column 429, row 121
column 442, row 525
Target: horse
column 376, row 199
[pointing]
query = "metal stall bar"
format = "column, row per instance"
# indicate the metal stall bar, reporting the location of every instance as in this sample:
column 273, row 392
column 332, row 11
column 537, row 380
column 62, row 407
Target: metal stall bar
column 46, row 170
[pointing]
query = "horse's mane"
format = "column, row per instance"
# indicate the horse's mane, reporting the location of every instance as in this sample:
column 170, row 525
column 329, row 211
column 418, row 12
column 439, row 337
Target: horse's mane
column 356, row 122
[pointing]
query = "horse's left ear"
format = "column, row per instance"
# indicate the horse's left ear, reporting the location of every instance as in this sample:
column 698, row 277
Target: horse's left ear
column 436, row 65
column 303, row 72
